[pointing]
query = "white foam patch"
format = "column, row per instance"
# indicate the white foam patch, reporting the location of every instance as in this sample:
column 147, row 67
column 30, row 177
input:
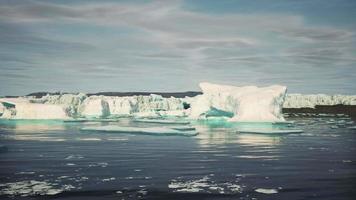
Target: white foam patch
column 99, row 164
column 139, row 130
column 266, row 191
column 74, row 157
column 108, row 179
column 32, row 188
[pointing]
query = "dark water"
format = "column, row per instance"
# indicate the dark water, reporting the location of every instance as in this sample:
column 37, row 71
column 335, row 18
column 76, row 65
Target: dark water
column 55, row 160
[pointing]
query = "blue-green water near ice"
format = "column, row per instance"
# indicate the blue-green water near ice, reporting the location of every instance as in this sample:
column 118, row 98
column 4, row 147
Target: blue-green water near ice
column 56, row 160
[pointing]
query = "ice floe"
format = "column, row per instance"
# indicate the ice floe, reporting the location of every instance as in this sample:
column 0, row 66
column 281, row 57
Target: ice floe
column 162, row 121
column 266, row 191
column 271, row 131
column 140, row 130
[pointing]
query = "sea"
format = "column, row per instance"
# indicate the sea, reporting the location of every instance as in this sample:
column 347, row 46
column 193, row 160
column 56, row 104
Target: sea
column 44, row 159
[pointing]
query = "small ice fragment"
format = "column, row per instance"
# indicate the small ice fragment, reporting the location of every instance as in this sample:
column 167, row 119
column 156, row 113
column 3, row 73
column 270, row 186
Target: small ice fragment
column 266, row 191
column 70, row 164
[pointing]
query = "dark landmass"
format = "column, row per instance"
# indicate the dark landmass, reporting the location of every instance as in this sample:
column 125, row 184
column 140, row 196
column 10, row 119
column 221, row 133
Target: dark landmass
column 163, row 94
column 349, row 110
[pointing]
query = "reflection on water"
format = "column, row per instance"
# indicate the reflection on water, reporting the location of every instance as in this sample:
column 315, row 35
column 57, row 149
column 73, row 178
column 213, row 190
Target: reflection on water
column 31, row 126
column 220, row 133
column 258, row 140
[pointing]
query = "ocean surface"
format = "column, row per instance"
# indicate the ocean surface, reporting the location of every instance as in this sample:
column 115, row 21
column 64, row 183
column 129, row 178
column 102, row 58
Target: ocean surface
column 58, row 160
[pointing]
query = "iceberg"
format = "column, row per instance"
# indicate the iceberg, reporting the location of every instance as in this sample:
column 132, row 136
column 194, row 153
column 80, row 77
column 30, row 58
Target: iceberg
column 249, row 103
column 23, row 109
column 310, row 101
column 242, row 104
column 138, row 130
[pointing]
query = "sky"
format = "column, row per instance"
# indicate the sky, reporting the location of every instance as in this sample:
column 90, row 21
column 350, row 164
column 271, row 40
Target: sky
column 172, row 45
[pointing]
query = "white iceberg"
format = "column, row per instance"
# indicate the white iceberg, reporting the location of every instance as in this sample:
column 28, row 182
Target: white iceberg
column 310, row 101
column 249, row 103
column 19, row 108
column 138, row 130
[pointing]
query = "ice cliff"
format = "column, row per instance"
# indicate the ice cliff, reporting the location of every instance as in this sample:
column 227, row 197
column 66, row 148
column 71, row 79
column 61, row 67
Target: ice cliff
column 310, row 101
column 248, row 103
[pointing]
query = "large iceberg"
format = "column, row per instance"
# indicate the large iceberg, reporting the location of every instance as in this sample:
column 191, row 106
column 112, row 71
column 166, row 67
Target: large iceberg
column 249, row 103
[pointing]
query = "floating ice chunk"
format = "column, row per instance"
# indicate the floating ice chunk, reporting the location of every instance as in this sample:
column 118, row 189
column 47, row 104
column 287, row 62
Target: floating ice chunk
column 161, row 121
column 352, row 127
column 32, row 187
column 204, row 185
column 266, row 191
column 271, row 131
column 70, row 164
column 138, row 130
column 89, row 139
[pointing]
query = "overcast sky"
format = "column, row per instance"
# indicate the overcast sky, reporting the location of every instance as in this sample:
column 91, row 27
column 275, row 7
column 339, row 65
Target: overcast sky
column 172, row 45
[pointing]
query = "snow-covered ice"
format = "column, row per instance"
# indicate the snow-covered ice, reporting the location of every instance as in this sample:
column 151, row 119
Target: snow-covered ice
column 249, row 103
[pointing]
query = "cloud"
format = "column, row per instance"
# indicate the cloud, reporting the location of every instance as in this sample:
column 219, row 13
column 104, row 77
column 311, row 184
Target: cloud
column 164, row 36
